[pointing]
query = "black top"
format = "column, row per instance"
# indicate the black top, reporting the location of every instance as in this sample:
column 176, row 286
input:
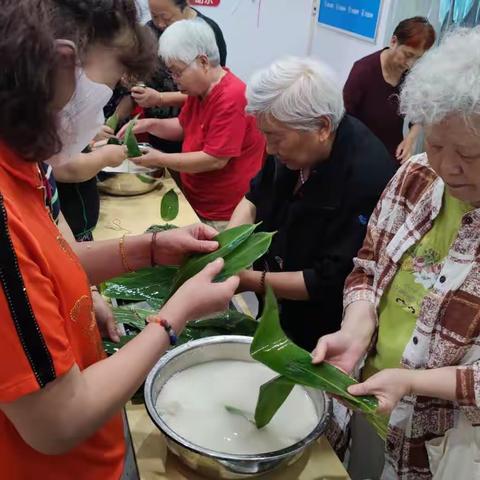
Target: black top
column 80, row 204
column 321, row 226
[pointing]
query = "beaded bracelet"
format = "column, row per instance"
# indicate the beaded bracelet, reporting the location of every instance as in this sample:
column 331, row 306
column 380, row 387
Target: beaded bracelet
column 172, row 334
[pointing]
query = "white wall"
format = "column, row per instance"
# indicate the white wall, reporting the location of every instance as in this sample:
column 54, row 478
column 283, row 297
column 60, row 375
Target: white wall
column 286, row 27
column 340, row 50
column 283, row 28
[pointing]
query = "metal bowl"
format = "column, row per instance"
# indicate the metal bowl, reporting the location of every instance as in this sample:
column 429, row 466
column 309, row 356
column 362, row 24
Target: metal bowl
column 207, row 462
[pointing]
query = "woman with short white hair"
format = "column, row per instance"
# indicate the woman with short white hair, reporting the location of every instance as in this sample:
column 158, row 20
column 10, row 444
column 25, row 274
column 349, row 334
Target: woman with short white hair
column 222, row 147
column 324, row 174
column 412, row 301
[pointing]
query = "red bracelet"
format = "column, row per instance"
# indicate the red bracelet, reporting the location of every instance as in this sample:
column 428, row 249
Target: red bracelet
column 152, row 249
column 172, row 334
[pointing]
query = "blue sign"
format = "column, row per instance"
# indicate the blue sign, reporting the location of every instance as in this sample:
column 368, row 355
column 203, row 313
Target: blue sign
column 358, row 17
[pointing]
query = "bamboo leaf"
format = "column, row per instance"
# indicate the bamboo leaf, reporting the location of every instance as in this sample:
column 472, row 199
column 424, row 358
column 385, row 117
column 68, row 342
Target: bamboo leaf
column 169, row 206
column 160, row 228
column 146, row 178
column 131, row 141
column 112, row 122
column 271, row 397
column 244, row 255
column 149, row 284
column 135, row 317
column 228, row 241
column 114, row 141
column 273, row 348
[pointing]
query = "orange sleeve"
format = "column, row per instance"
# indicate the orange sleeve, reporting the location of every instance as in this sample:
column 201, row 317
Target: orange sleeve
column 34, row 345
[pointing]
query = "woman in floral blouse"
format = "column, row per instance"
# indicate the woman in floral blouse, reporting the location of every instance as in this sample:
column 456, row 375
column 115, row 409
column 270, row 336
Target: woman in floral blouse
column 412, row 302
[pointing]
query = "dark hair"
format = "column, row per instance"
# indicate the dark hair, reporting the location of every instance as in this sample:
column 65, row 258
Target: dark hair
column 28, row 124
column 181, row 4
column 415, row 32
column 114, row 23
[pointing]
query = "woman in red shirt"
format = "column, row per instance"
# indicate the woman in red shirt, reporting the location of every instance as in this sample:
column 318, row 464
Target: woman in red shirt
column 222, row 147
column 60, row 398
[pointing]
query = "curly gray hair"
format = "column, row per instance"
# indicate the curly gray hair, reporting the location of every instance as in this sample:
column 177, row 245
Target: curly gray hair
column 446, row 80
column 297, row 92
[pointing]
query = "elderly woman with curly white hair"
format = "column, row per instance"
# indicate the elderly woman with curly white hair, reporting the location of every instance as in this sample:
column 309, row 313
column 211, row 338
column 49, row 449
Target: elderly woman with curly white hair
column 412, row 302
column 323, row 177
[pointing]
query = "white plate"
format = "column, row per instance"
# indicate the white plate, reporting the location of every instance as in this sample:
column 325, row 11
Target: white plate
column 128, row 167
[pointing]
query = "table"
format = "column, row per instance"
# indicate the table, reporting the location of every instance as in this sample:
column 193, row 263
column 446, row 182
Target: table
column 132, row 215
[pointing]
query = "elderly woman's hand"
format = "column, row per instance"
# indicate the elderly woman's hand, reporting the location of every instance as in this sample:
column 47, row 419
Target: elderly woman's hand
column 151, row 158
column 345, row 348
column 389, row 386
column 142, row 126
column 173, row 246
column 146, row 97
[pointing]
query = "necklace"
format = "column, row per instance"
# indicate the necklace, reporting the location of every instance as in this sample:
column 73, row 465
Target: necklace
column 302, row 177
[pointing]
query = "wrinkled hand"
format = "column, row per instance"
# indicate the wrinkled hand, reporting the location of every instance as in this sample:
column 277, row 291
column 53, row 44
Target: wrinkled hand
column 142, row 126
column 105, row 319
column 201, row 296
column 104, row 134
column 113, row 155
column 389, row 386
column 146, row 97
column 173, row 246
column 151, row 158
column 339, row 349
column 404, row 150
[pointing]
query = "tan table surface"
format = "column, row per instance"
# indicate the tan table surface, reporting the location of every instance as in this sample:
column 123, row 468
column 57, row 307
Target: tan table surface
column 132, row 215
column 154, row 463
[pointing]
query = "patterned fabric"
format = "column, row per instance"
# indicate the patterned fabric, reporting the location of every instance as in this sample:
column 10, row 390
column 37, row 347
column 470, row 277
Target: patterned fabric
column 447, row 331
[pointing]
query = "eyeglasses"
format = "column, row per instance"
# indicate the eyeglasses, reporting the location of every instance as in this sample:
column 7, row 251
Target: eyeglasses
column 177, row 75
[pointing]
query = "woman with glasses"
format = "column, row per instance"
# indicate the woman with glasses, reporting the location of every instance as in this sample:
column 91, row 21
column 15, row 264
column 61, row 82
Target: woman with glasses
column 222, row 147
column 159, row 97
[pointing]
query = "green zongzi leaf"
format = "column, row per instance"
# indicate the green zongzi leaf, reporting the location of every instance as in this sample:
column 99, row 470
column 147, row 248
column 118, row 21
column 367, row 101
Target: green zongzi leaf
column 149, row 284
column 273, row 348
column 228, row 240
column 144, row 178
column 135, row 317
column 272, row 396
column 245, row 254
column 112, row 122
column 169, row 206
column 160, row 228
column 131, row 141
column 114, row 141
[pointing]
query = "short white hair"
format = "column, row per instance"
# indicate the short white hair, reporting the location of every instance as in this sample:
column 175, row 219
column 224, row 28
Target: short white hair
column 297, row 92
column 186, row 40
column 446, row 80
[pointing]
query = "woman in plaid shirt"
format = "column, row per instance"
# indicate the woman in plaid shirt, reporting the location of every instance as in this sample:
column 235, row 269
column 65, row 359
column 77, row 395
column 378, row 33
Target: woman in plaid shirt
column 412, row 302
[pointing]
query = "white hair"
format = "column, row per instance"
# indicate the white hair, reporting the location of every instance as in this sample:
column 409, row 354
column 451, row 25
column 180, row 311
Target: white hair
column 297, row 92
column 186, row 40
column 446, row 80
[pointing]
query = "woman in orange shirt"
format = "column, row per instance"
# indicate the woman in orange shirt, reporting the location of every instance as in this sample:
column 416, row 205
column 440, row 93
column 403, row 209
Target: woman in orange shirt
column 60, row 397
